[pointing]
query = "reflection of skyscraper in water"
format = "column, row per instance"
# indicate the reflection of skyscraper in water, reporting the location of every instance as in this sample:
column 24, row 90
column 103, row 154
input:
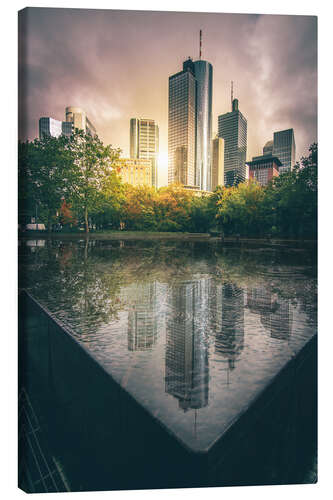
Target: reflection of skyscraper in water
column 142, row 317
column 186, row 357
column 229, row 339
column 275, row 312
column 259, row 300
column 279, row 319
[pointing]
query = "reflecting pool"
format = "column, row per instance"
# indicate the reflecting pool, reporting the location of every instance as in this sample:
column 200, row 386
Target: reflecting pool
column 192, row 330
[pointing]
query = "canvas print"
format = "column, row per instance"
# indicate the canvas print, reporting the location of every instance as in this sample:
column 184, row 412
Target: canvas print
column 167, row 195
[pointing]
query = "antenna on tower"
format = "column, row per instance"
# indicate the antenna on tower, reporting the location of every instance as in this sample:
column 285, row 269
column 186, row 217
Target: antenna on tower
column 232, row 93
column 200, row 46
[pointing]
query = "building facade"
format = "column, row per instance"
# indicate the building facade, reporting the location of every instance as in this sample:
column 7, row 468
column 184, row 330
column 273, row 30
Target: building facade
column 54, row 128
column 285, row 149
column 182, row 126
column 203, row 72
column 144, row 143
column 268, row 148
column 137, row 172
column 264, row 168
column 217, row 162
column 190, row 125
column 78, row 117
column 232, row 127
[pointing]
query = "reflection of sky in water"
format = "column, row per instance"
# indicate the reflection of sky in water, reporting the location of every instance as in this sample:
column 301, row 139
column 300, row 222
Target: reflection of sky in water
column 187, row 330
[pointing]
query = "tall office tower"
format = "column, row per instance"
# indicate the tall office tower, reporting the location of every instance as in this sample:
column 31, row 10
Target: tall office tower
column 186, row 355
column 203, row 72
column 268, row 148
column 50, row 126
column 144, row 143
column 217, row 162
column 79, row 119
column 284, row 148
column 190, row 124
column 232, row 127
column 182, row 126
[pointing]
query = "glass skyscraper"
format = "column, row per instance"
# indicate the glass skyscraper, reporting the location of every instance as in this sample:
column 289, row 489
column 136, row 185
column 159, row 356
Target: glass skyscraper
column 284, row 148
column 232, row 127
column 217, row 162
column 190, row 125
column 144, row 143
column 203, row 72
column 182, row 126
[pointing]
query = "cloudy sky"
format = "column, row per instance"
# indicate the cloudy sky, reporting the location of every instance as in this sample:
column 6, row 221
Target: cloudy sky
column 116, row 64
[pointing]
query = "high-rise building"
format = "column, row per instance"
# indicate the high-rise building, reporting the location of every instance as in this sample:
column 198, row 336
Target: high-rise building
column 264, row 168
column 182, row 126
column 284, row 148
column 203, row 72
column 136, row 172
column 54, row 128
column 78, row 117
column 144, row 143
column 217, row 162
column 232, row 127
column 190, row 124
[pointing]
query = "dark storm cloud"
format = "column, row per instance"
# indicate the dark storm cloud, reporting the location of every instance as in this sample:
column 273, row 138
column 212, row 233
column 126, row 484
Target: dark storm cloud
column 116, row 64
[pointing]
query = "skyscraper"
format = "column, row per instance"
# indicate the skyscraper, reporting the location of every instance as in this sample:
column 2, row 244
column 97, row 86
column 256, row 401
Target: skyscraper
column 203, row 72
column 284, row 148
column 79, row 118
column 144, row 143
column 190, row 124
column 182, row 126
column 217, row 162
column 232, row 127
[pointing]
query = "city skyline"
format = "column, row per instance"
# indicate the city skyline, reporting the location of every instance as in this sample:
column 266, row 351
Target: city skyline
column 276, row 87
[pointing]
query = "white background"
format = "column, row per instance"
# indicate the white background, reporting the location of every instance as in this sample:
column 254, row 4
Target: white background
column 8, row 276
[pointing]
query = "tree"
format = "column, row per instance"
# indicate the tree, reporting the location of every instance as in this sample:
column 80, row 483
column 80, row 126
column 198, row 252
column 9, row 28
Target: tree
column 44, row 165
column 93, row 175
column 239, row 209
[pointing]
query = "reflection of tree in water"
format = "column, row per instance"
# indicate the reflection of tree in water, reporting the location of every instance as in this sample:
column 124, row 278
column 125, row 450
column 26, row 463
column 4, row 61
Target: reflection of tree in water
column 186, row 357
column 70, row 283
column 82, row 280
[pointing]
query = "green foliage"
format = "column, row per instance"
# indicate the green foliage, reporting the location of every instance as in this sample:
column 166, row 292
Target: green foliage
column 44, row 166
column 286, row 207
column 92, row 178
column 81, row 171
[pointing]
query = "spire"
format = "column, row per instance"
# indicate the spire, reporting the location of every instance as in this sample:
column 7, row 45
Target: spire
column 200, row 45
column 232, row 92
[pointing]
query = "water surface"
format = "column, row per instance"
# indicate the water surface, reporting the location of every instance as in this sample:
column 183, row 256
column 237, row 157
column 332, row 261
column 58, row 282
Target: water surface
column 192, row 330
